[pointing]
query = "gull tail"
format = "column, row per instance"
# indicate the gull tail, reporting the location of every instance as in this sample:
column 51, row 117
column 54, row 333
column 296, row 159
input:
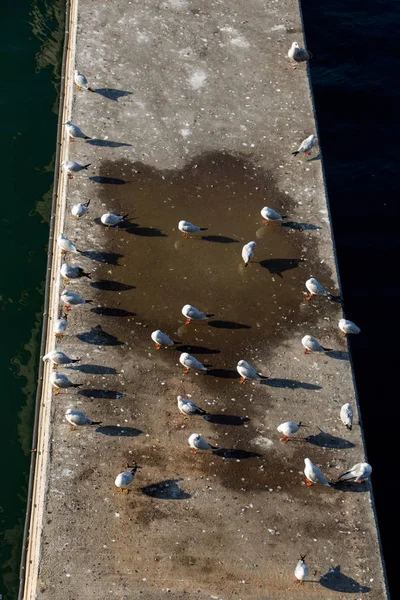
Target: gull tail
column 347, row 476
column 295, row 153
column 125, row 216
column 88, row 202
column 203, row 228
column 210, row 315
column 86, row 275
column 349, row 427
column 327, row 349
column 284, row 217
column 89, row 301
column 214, row 447
column 86, row 166
column 200, row 411
column 74, row 360
column 97, row 422
column 76, row 385
column 87, row 137
column 90, row 89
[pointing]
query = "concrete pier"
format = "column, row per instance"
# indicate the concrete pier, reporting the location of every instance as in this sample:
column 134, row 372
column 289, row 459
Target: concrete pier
column 194, row 117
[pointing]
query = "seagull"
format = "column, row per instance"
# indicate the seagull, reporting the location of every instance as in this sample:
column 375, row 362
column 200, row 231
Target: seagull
column 197, row 442
column 191, row 363
column 60, row 381
column 59, row 358
column 76, row 418
column 306, row 145
column 60, row 326
column 66, row 245
column 72, row 299
column 81, row 81
column 110, row 220
column 185, row 227
column 346, row 415
column 348, row 327
column 316, row 289
column 297, row 54
column 193, row 314
column 68, row 272
column 124, row 479
column 187, row 407
column 313, row 474
column 246, row 371
column 312, row 345
column 71, row 166
column 78, row 210
column 301, row 570
column 358, row 474
column 268, row 214
column 161, row 339
column 288, row 430
column 75, row 132
column 248, row 252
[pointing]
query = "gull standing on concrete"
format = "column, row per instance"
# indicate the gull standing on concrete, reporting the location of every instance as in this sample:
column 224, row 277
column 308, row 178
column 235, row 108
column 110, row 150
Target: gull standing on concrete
column 60, row 326
column 270, row 216
column 187, row 407
column 193, row 314
column 301, row 570
column 348, row 327
column 78, row 210
column 306, row 145
column 289, row 430
column 246, row 371
column 313, row 474
column 316, row 289
column 61, row 382
column 66, row 245
column 161, row 339
column 358, row 474
column 71, row 166
column 68, row 272
column 185, row 227
column 346, row 415
column 81, row 81
column 111, row 220
column 76, row 418
column 312, row 345
column 124, row 479
column 197, row 442
column 297, row 54
column 59, row 358
column 72, row 299
column 75, row 132
column 190, row 363
column 248, row 252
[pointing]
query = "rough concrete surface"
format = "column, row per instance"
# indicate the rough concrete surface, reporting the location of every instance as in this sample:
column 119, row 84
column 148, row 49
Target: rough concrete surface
column 195, row 115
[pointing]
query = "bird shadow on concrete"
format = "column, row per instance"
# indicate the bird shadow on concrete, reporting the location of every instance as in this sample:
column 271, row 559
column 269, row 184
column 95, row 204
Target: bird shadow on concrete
column 166, row 490
column 297, row 226
column 218, row 324
column 99, row 337
column 94, row 369
column 108, row 180
column 106, row 311
column 338, row 355
column 111, row 258
column 326, row 440
column 196, row 349
column 292, row 384
column 351, row 486
column 115, row 431
column 277, row 266
column 106, row 143
column 337, row 581
column 112, row 94
column 111, row 286
column 223, row 419
column 317, row 157
column 219, row 239
column 224, row 373
column 236, row 453
column 144, row 231
column 99, row 393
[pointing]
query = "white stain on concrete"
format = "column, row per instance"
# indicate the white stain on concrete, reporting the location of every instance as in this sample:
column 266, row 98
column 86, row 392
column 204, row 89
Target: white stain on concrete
column 263, row 442
column 235, row 38
column 198, row 79
column 185, row 132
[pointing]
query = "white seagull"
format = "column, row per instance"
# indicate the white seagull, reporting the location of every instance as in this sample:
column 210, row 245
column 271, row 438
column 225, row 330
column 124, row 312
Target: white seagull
column 288, row 430
column 246, row 371
column 270, row 215
column 248, row 252
column 301, row 570
column 60, row 326
column 306, row 145
column 191, row 363
column 358, row 474
column 187, row 407
column 81, row 81
column 161, row 339
column 197, row 442
column 185, row 227
column 316, row 289
column 312, row 345
column 346, row 415
column 59, row 358
column 111, row 220
column 78, row 210
column 68, row 272
column 76, row 418
column 75, row 132
column 297, row 54
column 71, row 166
column 60, row 381
column 66, row 245
column 124, row 479
column 348, row 327
column 71, row 299
column 193, row 314
column 313, row 474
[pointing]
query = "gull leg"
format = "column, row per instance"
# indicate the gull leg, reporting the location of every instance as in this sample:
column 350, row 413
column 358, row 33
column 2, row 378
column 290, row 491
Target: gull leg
column 308, row 482
column 67, row 307
column 285, row 438
column 194, row 451
column 63, row 251
column 343, row 334
column 70, row 176
column 187, row 321
column 54, row 366
column 59, row 336
column 72, row 428
column 307, row 351
column 125, row 491
column 67, row 281
column 185, row 236
column 186, row 370
column 266, row 223
column 56, row 391
column 76, row 218
column 158, row 346
column 242, row 380
column 310, row 296
column 78, row 89
column 119, row 489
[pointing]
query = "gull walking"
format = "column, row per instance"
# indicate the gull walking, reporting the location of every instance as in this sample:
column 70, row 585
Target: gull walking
column 78, row 210
column 357, row 474
column 59, row 358
column 270, row 215
column 246, row 371
column 71, row 299
column 185, row 227
column 66, row 245
column 76, row 418
column 306, row 145
column 61, row 382
column 187, row 407
column 348, row 327
column 297, row 54
column 161, row 339
column 346, row 415
column 312, row 345
column 68, row 272
column 301, row 570
column 193, row 314
column 248, row 252
column 111, row 220
column 124, row 479
column 71, row 166
column 81, row 81
column 288, row 430
column 60, row 326
column 75, row 132
column 313, row 474
column 197, row 442
column 191, row 363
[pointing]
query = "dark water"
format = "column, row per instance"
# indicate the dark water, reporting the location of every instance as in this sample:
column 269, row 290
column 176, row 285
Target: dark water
column 30, row 34
column 357, row 89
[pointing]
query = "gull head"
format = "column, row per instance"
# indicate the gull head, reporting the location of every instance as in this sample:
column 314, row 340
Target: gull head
column 295, row 45
column 67, row 123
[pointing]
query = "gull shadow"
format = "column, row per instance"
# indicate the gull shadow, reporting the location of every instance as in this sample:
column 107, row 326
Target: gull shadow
column 219, row 239
column 338, row 355
column 228, row 325
column 196, row 349
column 111, row 258
column 107, row 180
column 277, row 266
column 166, row 490
column 326, row 440
column 145, row 231
column 98, row 393
column 224, row 373
column 236, row 454
column 106, row 143
column 99, row 337
column 351, row 486
column 292, row 384
column 112, row 312
column 111, row 286
column 317, row 157
column 112, row 94
column 301, row 226
column 338, row 582
column 115, row 431
column 94, row 370
column 226, row 419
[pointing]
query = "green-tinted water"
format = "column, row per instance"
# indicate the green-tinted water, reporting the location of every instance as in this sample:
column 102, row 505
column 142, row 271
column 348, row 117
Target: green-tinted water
column 31, row 35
